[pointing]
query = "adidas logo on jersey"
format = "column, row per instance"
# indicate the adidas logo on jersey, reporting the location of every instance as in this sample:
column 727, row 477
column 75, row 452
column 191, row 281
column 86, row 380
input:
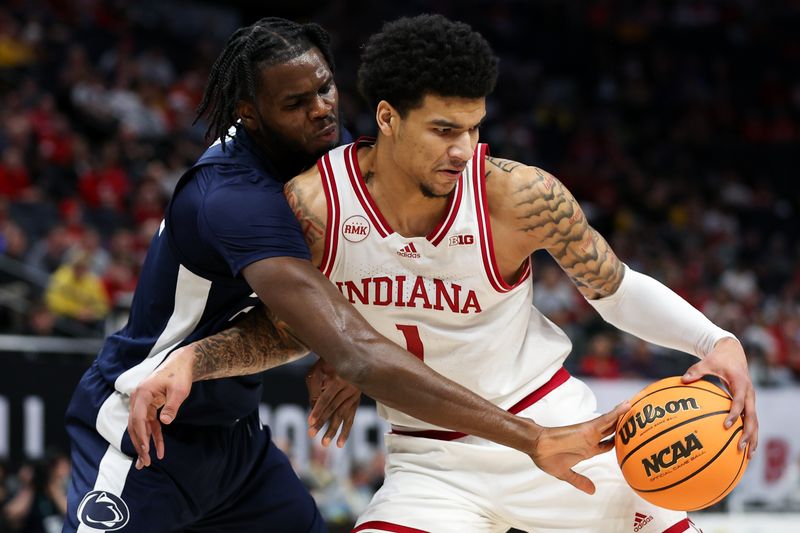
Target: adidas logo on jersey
column 640, row 520
column 409, row 250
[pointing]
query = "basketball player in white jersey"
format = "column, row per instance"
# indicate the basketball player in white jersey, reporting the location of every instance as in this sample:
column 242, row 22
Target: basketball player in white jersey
column 430, row 238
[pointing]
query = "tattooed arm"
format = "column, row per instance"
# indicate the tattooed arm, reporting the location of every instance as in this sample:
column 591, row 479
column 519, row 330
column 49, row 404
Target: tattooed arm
column 531, row 210
column 534, row 210
column 258, row 342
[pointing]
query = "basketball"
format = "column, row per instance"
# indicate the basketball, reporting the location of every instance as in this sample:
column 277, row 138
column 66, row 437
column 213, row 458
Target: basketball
column 673, row 448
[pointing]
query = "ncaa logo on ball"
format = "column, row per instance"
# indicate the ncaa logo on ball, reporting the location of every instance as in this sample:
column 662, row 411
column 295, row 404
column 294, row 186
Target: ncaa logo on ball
column 671, row 454
column 103, row 511
column 356, row 228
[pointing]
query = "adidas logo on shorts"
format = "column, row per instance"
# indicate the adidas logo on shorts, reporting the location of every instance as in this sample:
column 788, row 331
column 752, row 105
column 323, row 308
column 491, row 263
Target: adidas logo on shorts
column 640, row 520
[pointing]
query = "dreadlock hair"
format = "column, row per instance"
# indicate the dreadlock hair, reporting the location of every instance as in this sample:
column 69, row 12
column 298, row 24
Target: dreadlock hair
column 235, row 73
column 426, row 54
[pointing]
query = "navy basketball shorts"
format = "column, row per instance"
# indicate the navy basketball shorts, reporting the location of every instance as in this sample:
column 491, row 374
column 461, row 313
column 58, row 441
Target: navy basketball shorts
column 212, row 479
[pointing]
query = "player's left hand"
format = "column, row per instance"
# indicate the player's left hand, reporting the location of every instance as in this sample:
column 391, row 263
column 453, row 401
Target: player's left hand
column 165, row 389
column 333, row 400
column 728, row 362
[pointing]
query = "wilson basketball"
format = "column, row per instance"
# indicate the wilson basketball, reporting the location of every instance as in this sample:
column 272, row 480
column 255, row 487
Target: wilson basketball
column 673, row 448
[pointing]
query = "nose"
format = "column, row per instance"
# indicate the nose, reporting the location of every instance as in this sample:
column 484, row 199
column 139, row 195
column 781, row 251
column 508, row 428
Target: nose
column 320, row 107
column 462, row 147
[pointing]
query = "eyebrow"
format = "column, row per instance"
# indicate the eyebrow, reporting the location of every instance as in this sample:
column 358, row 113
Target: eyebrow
column 306, row 94
column 444, row 123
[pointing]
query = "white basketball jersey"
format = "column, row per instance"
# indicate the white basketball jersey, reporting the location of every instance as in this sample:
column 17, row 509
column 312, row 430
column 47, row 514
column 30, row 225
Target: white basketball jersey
column 440, row 296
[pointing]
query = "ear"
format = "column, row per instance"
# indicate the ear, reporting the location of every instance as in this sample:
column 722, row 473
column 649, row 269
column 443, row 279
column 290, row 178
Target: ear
column 387, row 118
column 247, row 114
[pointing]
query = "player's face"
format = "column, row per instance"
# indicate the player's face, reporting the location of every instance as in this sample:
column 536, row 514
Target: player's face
column 298, row 107
column 435, row 141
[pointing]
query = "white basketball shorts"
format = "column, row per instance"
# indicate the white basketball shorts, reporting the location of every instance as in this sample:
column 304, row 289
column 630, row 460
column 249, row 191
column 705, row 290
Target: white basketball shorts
column 472, row 485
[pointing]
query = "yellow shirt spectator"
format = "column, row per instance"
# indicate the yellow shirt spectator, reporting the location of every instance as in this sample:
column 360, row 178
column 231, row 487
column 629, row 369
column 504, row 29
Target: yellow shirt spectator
column 75, row 292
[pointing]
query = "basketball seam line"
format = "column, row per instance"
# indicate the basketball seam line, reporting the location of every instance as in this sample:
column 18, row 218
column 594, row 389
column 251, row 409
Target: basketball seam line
column 738, row 430
column 715, row 413
column 728, row 488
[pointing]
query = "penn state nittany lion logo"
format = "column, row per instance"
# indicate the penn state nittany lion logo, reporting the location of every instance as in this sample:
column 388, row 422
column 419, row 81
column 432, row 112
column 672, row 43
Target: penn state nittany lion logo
column 103, row 511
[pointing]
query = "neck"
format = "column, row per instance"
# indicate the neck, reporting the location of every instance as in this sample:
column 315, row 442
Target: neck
column 397, row 194
column 286, row 161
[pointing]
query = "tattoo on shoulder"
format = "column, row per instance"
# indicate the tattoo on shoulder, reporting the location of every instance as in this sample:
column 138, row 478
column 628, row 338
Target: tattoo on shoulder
column 506, row 165
column 313, row 227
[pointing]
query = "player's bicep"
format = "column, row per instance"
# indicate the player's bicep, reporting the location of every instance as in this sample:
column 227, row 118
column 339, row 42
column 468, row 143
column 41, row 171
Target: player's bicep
column 550, row 216
column 307, row 201
column 590, row 263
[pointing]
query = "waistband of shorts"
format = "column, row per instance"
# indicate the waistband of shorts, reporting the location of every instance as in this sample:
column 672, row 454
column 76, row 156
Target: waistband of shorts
column 561, row 375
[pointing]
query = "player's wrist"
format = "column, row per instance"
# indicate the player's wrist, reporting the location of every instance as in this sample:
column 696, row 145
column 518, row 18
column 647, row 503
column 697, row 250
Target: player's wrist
column 184, row 359
column 526, row 433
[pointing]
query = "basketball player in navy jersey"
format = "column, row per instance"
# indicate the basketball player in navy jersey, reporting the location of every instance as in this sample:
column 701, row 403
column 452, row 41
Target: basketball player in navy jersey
column 430, row 238
column 229, row 241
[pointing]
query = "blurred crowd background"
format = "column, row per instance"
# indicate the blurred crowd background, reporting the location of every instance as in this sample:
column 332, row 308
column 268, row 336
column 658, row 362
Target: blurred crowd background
column 675, row 123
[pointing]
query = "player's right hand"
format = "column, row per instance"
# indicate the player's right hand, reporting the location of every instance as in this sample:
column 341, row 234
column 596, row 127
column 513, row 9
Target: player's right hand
column 164, row 389
column 557, row 449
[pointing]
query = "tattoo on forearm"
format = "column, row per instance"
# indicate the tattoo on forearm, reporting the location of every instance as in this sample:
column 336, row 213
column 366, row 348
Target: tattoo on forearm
column 547, row 209
column 313, row 228
column 260, row 341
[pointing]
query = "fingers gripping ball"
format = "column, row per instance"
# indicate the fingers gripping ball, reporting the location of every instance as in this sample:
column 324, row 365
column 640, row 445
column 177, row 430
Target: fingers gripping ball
column 673, row 448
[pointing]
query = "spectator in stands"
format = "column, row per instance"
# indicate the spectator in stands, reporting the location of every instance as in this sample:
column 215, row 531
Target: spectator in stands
column 15, row 182
column 48, row 254
column 76, row 294
column 600, row 361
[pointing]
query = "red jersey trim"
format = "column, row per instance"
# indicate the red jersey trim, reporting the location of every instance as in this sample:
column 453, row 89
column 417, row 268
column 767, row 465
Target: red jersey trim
column 332, row 228
column 386, row 526
column 374, row 213
column 360, row 188
column 485, row 230
column 681, row 526
column 441, row 229
column 559, row 378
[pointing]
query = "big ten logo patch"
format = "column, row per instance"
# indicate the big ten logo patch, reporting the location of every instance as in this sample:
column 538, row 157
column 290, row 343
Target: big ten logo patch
column 356, row 228
column 461, row 240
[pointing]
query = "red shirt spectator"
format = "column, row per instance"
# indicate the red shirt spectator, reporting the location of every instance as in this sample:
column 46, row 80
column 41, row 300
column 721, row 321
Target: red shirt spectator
column 14, row 178
column 106, row 184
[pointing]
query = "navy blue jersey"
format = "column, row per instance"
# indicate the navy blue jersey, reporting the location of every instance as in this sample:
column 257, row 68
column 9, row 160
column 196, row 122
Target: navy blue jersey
column 227, row 211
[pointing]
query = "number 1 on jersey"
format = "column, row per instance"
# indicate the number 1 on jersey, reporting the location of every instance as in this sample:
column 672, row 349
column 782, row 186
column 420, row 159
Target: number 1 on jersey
column 413, row 340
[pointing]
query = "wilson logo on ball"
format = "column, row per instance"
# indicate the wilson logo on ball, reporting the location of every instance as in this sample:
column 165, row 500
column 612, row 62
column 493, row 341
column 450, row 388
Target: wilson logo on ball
column 650, row 414
column 672, row 454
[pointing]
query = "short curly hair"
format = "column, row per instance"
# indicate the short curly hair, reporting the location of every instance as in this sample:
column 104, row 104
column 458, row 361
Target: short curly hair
column 427, row 54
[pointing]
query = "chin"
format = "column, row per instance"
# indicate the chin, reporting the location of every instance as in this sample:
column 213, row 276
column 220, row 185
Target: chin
column 427, row 192
column 323, row 148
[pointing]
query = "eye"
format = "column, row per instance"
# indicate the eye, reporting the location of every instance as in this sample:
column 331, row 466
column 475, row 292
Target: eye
column 327, row 88
column 443, row 131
